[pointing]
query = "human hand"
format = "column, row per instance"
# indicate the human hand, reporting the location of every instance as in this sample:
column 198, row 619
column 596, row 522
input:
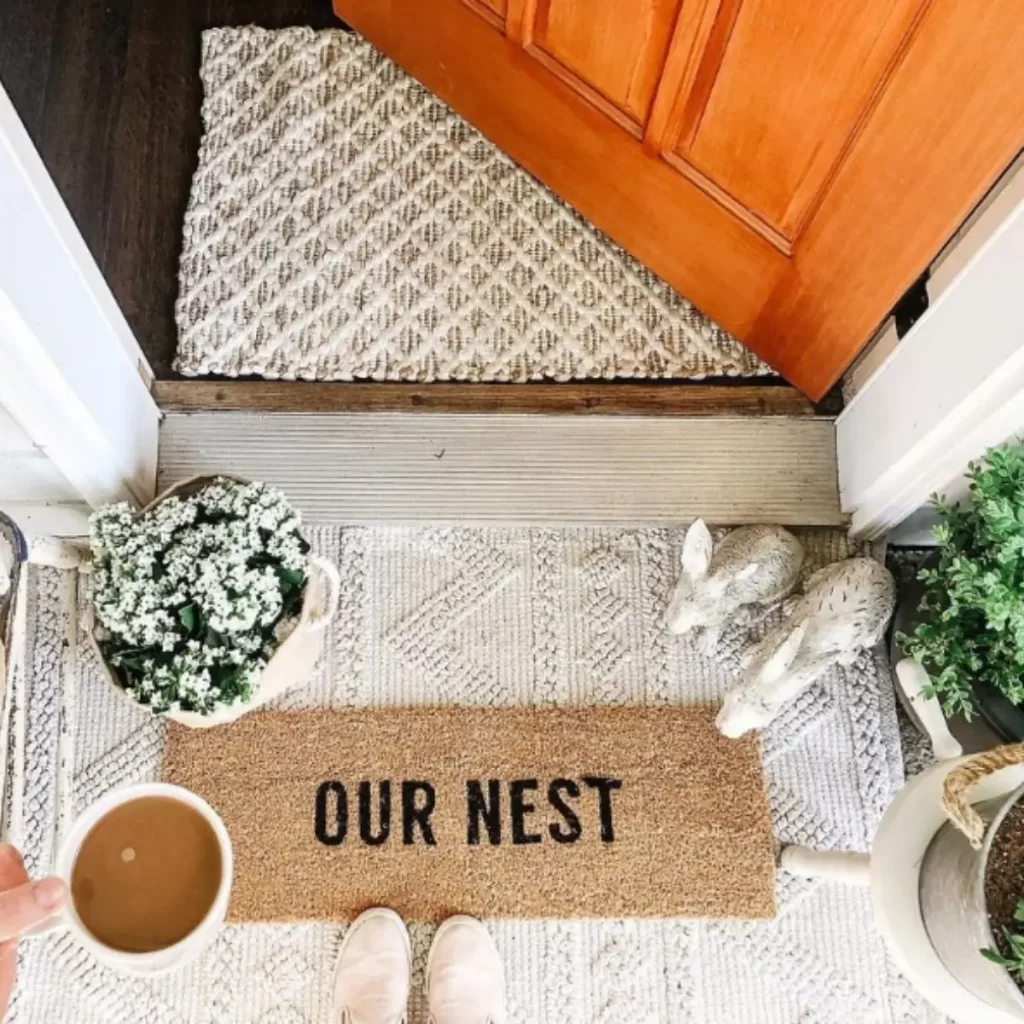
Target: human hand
column 23, row 905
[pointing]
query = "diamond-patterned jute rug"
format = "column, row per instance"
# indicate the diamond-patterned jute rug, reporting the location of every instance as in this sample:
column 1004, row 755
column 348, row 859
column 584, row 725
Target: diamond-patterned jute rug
column 494, row 618
column 344, row 223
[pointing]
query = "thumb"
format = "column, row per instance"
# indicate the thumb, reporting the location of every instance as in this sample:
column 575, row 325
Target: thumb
column 29, row 905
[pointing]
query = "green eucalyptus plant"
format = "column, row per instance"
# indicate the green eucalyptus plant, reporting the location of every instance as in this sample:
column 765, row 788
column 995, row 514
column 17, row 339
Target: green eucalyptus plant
column 973, row 607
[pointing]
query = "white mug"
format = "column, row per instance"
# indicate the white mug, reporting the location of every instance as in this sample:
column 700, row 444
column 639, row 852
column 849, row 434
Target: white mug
column 161, row 960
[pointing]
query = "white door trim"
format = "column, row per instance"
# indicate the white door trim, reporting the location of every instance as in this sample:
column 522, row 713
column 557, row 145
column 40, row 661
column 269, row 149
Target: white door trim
column 952, row 387
column 71, row 372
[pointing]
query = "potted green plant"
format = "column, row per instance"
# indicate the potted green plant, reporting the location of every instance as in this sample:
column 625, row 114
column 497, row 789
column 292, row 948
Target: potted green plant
column 207, row 603
column 969, row 631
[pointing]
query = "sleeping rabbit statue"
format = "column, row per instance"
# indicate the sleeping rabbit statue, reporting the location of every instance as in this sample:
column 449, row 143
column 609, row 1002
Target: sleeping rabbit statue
column 844, row 609
column 754, row 565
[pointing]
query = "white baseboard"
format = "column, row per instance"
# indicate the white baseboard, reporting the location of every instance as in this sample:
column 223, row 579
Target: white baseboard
column 50, row 519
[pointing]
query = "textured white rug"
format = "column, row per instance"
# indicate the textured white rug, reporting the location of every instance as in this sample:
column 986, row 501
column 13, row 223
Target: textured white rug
column 344, row 223
column 511, row 616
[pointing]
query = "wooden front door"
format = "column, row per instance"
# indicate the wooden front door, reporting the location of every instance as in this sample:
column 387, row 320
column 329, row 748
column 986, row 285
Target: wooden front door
column 790, row 166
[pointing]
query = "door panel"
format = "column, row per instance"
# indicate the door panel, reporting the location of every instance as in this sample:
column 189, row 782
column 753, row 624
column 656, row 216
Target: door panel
column 790, row 168
column 617, row 49
column 949, row 121
column 790, row 86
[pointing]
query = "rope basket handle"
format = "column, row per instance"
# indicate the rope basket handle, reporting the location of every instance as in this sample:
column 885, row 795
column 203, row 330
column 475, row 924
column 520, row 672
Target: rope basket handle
column 959, row 782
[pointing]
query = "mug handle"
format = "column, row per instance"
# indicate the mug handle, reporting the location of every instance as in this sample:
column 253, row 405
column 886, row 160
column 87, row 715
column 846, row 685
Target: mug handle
column 57, row 923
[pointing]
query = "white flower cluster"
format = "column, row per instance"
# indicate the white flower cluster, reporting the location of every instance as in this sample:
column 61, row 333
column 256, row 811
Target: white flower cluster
column 192, row 594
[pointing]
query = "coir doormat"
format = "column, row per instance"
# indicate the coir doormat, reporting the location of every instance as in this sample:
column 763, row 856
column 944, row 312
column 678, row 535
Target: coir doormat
column 510, row 812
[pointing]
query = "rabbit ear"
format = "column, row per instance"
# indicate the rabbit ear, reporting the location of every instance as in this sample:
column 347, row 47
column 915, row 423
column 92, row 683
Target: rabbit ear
column 697, row 550
column 779, row 663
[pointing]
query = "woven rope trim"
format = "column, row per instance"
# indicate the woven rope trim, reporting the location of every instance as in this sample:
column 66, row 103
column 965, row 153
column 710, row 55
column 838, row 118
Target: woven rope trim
column 960, row 781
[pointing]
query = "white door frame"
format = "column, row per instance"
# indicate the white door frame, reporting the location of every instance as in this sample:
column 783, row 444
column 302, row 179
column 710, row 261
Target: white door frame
column 951, row 388
column 71, row 372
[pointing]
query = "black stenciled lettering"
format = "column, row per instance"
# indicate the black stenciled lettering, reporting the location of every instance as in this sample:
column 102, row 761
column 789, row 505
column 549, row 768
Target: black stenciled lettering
column 486, row 809
column 413, row 814
column 336, row 836
column 519, row 809
column 384, row 802
column 573, row 829
column 604, row 789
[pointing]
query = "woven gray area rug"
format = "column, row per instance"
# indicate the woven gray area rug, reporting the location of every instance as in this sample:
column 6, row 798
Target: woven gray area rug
column 508, row 617
column 344, row 223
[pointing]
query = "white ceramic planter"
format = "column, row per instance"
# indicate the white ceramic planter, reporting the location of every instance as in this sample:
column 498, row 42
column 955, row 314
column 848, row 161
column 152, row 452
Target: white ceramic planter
column 294, row 659
column 904, row 836
column 894, row 870
column 954, row 909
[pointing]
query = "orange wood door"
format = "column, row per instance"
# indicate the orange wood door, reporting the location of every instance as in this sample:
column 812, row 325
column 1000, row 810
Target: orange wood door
column 789, row 166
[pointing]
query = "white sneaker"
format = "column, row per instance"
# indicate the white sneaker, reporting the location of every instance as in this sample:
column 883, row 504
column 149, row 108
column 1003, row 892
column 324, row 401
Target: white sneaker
column 371, row 982
column 465, row 982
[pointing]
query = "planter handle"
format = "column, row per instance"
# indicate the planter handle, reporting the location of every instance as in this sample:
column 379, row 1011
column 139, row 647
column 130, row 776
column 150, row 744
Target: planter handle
column 332, row 591
column 959, row 782
column 912, row 680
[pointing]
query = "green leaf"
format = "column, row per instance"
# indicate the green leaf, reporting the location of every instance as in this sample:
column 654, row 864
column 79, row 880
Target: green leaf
column 188, row 616
column 214, row 639
column 291, row 579
column 997, row 958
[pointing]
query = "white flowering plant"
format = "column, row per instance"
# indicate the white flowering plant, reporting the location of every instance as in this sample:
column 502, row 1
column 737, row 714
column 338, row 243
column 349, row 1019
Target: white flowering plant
column 194, row 596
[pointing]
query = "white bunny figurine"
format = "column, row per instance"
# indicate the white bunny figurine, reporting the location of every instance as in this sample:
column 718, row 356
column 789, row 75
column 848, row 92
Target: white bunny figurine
column 844, row 609
column 754, row 565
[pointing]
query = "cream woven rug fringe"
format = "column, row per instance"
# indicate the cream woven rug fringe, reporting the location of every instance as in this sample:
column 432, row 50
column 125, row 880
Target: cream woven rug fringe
column 344, row 223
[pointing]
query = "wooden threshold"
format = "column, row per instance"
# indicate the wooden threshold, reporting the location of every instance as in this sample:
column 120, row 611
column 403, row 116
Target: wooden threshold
column 601, row 399
column 361, row 467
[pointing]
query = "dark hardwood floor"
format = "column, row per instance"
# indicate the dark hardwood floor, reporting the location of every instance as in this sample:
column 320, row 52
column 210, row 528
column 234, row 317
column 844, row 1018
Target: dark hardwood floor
column 109, row 91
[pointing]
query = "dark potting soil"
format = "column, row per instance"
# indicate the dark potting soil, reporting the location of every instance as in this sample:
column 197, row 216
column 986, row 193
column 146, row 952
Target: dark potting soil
column 1004, row 879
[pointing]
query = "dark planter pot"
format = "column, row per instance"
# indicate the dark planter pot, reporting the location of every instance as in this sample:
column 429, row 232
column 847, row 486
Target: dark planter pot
column 1006, row 720
column 1003, row 718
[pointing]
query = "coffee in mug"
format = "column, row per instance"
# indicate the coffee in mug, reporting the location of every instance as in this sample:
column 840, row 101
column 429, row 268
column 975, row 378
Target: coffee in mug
column 146, row 874
column 150, row 868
